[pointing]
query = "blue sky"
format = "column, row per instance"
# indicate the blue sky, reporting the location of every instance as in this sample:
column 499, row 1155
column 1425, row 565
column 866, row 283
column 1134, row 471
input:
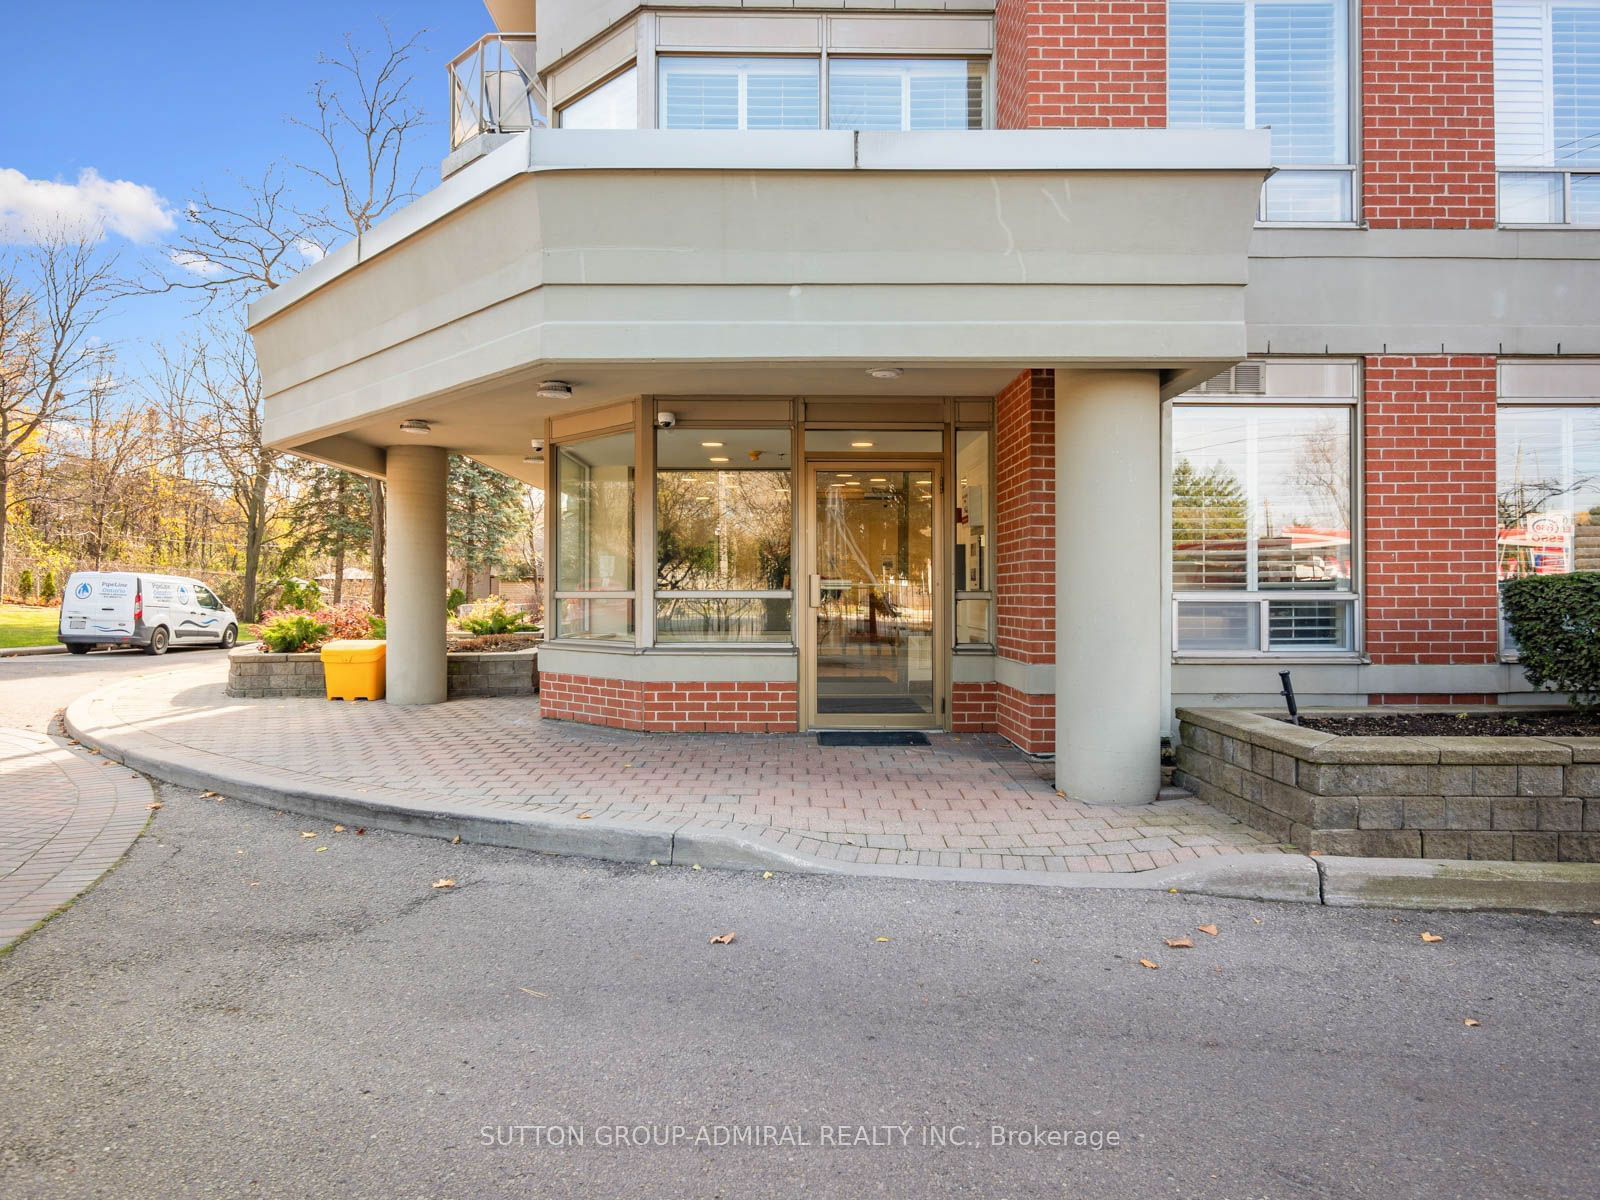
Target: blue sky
column 172, row 95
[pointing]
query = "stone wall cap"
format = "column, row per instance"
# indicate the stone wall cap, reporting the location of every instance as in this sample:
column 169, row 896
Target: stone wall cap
column 1458, row 751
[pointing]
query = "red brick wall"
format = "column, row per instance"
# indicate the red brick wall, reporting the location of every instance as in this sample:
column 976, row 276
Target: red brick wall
column 1431, row 595
column 971, row 707
column 1451, row 698
column 1025, row 518
column 1081, row 64
column 1026, row 719
column 671, row 707
column 1428, row 114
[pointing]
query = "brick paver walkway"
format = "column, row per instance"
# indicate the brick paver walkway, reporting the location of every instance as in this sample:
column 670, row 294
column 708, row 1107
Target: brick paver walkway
column 65, row 818
column 969, row 801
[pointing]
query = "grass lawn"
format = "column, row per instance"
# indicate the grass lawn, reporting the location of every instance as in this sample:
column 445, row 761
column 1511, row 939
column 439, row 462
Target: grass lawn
column 23, row 626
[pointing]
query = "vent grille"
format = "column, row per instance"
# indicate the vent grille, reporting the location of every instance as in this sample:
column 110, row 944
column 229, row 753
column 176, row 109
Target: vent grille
column 1246, row 379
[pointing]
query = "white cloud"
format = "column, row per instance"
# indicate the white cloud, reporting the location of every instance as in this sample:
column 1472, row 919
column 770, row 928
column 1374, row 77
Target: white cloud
column 310, row 251
column 30, row 208
column 196, row 264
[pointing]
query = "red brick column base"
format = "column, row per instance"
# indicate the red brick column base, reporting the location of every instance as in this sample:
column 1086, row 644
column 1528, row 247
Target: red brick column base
column 715, row 707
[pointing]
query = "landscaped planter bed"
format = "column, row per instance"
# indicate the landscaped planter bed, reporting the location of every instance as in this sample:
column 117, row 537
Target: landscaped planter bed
column 1530, row 798
column 1508, row 722
column 252, row 674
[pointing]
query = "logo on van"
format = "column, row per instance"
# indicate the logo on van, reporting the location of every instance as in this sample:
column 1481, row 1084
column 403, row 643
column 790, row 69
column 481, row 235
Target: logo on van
column 84, row 590
column 183, row 592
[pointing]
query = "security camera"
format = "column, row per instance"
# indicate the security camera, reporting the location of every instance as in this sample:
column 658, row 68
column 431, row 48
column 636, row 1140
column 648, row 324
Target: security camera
column 537, row 445
column 666, row 420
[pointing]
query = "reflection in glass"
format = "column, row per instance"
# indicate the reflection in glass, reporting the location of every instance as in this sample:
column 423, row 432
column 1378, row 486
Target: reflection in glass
column 1548, row 496
column 723, row 619
column 594, row 535
column 875, row 619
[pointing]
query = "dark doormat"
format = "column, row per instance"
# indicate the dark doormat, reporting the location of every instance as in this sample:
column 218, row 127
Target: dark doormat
column 873, row 738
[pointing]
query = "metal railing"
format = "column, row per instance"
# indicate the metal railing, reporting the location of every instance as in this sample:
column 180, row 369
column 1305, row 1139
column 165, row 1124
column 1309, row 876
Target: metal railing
column 494, row 88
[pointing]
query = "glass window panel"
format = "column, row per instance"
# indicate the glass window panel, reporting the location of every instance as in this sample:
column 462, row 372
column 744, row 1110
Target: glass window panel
column 903, row 94
column 1548, row 493
column 612, row 105
column 973, row 493
column 740, row 93
column 1530, row 198
column 724, row 510
column 1575, row 83
column 1586, row 199
column 1314, row 196
column 1210, row 504
column 722, row 619
column 875, row 441
column 594, row 514
column 1235, row 64
column 1309, row 624
column 972, row 622
column 1218, row 625
column 1300, row 498
column 595, row 619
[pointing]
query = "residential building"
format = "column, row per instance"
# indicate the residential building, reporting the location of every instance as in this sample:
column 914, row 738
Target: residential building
column 1033, row 366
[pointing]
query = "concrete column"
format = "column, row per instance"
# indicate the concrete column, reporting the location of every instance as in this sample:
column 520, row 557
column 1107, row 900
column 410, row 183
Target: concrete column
column 1108, row 586
column 416, row 582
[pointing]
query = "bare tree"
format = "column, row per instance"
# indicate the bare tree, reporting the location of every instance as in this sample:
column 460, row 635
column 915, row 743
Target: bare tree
column 51, row 299
column 364, row 114
column 226, row 429
column 115, row 442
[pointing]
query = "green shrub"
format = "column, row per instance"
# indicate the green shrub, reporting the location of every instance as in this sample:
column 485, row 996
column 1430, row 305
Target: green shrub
column 1555, row 620
column 378, row 626
column 494, row 617
column 291, row 633
column 25, row 585
column 299, row 593
column 47, row 589
column 455, row 600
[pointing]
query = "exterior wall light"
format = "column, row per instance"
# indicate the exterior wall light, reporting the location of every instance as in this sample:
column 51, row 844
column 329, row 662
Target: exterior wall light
column 554, row 389
column 415, row 426
column 885, row 372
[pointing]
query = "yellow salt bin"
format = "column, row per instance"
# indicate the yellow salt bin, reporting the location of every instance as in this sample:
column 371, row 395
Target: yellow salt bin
column 353, row 670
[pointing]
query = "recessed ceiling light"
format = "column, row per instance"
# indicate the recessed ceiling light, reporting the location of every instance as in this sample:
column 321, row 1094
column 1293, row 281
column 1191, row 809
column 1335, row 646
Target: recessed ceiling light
column 555, row 389
column 719, row 458
column 847, row 474
column 415, row 426
column 713, row 445
column 879, row 479
column 533, row 459
column 862, row 445
column 702, row 497
column 885, row 372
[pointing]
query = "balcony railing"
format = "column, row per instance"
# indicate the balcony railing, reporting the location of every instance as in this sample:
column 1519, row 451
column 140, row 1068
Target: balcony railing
column 494, row 88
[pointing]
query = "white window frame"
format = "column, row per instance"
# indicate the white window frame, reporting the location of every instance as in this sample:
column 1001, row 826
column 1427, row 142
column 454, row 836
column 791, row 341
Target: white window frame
column 1347, row 100
column 985, row 103
column 1549, row 167
column 1354, row 598
column 744, row 85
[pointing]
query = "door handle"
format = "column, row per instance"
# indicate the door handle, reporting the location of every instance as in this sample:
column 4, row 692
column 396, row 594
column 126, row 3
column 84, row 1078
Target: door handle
column 816, row 591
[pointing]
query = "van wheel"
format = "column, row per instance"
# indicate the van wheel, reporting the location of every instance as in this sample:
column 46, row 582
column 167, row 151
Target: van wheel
column 158, row 641
column 230, row 636
column 78, row 648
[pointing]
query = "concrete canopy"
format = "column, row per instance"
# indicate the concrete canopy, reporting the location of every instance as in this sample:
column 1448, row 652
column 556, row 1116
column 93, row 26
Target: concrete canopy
column 667, row 263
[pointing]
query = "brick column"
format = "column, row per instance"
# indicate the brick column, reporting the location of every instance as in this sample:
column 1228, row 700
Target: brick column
column 1081, row 64
column 1431, row 595
column 1025, row 547
column 1427, row 74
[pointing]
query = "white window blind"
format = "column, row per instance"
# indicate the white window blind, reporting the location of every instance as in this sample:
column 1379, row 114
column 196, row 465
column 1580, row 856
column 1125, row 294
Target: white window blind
column 1206, row 65
column 1547, row 84
column 905, row 94
column 1575, row 76
column 739, row 93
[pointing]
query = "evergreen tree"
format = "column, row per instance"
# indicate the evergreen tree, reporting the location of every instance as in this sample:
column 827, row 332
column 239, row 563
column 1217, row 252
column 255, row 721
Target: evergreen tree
column 485, row 511
column 331, row 515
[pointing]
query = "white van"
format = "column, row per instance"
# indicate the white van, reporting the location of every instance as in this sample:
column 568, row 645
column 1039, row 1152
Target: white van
column 121, row 608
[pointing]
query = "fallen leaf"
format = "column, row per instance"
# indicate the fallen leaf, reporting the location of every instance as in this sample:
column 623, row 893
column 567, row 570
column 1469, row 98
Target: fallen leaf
column 1316, row 854
column 1145, row 962
column 1471, row 1024
column 456, row 841
column 723, row 940
column 585, row 816
column 1178, row 943
column 1431, row 937
column 338, row 828
column 305, row 834
column 153, row 805
column 444, row 883
column 361, row 831
column 654, row 863
column 320, row 849
column 883, row 939
column 531, row 992
column 696, row 867
column 1208, row 929
column 1172, row 891
column 766, row 874
column 255, row 883
column 207, row 795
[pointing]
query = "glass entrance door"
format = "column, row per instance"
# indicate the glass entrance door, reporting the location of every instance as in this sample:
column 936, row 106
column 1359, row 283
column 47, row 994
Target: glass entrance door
column 875, row 596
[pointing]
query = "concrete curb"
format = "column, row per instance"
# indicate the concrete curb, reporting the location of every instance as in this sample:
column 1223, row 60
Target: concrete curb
column 26, row 651
column 1293, row 878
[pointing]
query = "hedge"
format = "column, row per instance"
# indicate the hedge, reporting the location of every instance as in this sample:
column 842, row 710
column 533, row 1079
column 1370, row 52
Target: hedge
column 1555, row 620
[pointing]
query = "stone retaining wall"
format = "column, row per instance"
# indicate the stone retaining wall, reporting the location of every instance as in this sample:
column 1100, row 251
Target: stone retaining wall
column 252, row 674
column 1505, row 798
